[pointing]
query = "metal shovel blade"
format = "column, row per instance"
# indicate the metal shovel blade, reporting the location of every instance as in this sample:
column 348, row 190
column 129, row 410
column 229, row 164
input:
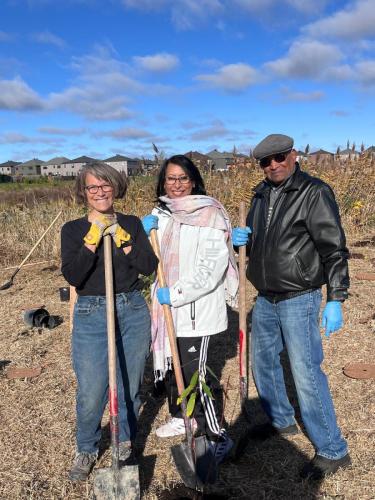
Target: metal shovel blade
column 6, row 285
column 110, row 484
column 195, row 468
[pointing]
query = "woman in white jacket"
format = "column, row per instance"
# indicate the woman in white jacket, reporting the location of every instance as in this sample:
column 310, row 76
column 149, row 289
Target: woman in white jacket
column 194, row 234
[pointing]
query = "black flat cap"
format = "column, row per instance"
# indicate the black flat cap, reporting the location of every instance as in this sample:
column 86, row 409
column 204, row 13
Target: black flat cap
column 272, row 145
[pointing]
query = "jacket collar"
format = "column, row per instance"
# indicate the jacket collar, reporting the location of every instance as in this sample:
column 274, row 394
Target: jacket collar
column 293, row 183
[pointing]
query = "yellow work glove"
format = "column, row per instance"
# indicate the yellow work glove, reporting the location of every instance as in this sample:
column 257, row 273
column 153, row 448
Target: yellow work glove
column 119, row 235
column 98, row 226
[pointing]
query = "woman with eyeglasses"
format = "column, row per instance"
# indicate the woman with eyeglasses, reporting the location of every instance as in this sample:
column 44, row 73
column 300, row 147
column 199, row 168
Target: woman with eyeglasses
column 196, row 249
column 82, row 255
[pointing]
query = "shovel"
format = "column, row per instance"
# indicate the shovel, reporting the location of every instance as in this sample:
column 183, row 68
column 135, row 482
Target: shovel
column 9, row 283
column 194, row 458
column 242, row 334
column 114, row 483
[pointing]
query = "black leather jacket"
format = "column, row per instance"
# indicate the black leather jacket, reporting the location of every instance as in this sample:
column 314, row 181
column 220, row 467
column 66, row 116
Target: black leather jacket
column 304, row 246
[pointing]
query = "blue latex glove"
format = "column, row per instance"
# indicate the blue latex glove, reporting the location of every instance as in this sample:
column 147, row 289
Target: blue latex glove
column 150, row 222
column 163, row 295
column 332, row 319
column 240, row 236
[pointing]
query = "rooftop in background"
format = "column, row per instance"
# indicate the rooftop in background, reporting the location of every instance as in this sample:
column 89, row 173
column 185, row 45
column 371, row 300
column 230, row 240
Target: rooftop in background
column 32, row 163
column 58, row 160
column 118, row 158
column 82, row 159
column 321, row 152
column 10, row 163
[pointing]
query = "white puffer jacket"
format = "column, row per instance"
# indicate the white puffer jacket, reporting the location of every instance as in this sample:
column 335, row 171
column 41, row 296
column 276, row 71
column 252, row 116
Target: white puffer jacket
column 199, row 293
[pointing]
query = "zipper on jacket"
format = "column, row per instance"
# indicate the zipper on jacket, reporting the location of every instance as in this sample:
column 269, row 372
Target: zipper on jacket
column 268, row 224
column 192, row 315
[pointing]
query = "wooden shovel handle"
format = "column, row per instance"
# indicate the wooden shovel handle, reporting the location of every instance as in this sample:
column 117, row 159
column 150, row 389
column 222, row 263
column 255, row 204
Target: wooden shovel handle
column 168, row 315
column 37, row 243
column 110, row 309
column 242, row 296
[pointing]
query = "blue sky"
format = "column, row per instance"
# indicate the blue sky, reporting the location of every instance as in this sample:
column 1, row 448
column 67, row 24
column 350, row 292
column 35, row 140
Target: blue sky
column 101, row 77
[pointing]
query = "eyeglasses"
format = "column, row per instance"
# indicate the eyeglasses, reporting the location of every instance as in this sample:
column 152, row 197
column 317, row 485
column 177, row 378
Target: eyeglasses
column 183, row 179
column 106, row 188
column 278, row 158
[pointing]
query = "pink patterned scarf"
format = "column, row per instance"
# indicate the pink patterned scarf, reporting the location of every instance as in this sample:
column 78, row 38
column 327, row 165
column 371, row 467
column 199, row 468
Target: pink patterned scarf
column 193, row 210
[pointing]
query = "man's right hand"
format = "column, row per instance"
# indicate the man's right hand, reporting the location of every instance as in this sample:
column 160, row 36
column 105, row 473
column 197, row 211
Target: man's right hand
column 240, row 236
column 98, row 226
column 150, row 222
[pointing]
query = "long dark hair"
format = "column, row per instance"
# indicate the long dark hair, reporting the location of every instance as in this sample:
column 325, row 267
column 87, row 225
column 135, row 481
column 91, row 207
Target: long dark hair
column 188, row 167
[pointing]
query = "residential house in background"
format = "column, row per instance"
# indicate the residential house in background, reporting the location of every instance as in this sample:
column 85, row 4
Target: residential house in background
column 8, row 168
column 347, row 154
column 220, row 161
column 301, row 156
column 72, row 167
column 321, row 156
column 119, row 162
column 147, row 165
column 53, row 166
column 131, row 166
column 239, row 160
column 202, row 161
column 370, row 151
column 29, row 168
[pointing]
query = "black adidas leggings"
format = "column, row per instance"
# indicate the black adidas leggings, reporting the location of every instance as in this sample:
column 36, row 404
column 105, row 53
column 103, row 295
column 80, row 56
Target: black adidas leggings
column 193, row 356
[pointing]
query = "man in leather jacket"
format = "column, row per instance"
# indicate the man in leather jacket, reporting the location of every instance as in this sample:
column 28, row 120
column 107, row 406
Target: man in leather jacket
column 295, row 244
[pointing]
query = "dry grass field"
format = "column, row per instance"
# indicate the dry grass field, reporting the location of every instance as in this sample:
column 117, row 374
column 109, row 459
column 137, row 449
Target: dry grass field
column 37, row 414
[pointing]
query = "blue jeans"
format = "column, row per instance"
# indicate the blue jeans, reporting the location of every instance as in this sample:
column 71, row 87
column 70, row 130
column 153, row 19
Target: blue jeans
column 294, row 323
column 90, row 363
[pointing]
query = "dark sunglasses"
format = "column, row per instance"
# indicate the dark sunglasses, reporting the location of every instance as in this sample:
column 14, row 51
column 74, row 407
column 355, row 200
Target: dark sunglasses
column 279, row 158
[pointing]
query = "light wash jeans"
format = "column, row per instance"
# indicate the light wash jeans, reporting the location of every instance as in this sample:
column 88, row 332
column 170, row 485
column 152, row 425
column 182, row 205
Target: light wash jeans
column 294, row 323
column 90, row 363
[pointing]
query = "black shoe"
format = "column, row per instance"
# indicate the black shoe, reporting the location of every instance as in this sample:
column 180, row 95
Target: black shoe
column 82, row 466
column 320, row 467
column 266, row 431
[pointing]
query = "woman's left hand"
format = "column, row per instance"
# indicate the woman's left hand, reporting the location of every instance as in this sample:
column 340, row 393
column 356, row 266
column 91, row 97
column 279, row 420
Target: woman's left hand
column 150, row 222
column 163, row 295
column 119, row 235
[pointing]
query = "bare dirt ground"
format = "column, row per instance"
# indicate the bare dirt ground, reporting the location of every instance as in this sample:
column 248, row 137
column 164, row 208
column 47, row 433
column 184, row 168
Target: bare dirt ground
column 37, row 414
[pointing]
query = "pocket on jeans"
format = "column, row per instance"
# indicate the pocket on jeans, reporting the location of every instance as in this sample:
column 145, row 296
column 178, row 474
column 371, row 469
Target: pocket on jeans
column 83, row 307
column 137, row 301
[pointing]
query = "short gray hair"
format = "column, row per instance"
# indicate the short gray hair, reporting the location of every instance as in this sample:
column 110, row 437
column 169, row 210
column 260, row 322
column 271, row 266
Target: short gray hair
column 101, row 170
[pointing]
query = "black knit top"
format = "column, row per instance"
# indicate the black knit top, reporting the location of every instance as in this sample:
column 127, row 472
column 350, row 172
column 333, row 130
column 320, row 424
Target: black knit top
column 85, row 269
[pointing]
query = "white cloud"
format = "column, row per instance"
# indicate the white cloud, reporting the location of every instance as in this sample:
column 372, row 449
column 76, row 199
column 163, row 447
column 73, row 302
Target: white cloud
column 262, row 6
column 185, row 14
column 307, row 6
column 340, row 113
column 188, row 14
column 16, row 95
column 158, row 63
column 293, row 95
column 365, row 72
column 5, row 37
column 92, row 102
column 101, row 90
column 17, row 138
column 306, row 59
column 355, row 22
column 62, row 131
column 232, row 77
column 146, row 4
column 48, row 38
column 124, row 133
column 217, row 129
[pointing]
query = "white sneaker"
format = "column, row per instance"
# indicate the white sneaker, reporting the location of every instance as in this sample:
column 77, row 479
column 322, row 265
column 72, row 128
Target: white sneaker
column 175, row 427
column 220, row 449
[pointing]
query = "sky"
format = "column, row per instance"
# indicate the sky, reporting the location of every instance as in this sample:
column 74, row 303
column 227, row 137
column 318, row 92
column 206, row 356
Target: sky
column 106, row 77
